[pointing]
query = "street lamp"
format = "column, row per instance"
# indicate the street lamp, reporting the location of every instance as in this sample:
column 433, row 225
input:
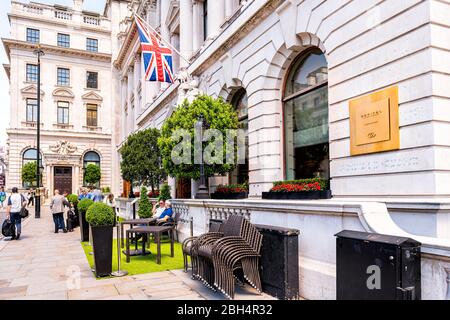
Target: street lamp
column 202, row 192
column 39, row 53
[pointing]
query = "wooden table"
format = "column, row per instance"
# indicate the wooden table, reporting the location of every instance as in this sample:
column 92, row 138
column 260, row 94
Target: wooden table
column 133, row 223
column 147, row 231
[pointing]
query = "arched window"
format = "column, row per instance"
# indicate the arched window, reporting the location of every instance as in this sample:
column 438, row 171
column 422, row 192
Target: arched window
column 91, row 157
column 306, row 118
column 240, row 103
column 30, row 156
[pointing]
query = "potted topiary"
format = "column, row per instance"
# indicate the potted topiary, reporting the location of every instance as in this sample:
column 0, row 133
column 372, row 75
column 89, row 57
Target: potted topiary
column 305, row 189
column 83, row 206
column 231, row 192
column 102, row 219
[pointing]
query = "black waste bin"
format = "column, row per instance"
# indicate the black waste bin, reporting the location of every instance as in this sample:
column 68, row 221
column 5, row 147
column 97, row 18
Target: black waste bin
column 279, row 262
column 377, row 267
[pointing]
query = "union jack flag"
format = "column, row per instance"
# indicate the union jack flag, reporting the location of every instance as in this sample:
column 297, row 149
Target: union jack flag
column 156, row 56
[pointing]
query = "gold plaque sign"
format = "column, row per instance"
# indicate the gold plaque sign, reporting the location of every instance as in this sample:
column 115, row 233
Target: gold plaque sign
column 374, row 123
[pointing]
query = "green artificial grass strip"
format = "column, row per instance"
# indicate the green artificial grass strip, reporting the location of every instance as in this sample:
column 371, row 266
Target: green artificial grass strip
column 143, row 264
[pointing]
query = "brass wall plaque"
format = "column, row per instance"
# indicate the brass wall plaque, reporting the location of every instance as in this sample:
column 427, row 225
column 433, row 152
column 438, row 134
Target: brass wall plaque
column 374, row 125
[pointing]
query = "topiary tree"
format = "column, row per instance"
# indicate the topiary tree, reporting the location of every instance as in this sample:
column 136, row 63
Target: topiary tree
column 73, row 199
column 219, row 115
column 29, row 173
column 145, row 207
column 141, row 159
column 100, row 215
column 84, row 205
column 92, row 175
column 165, row 192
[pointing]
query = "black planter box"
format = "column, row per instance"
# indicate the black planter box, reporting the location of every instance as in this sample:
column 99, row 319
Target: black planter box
column 84, row 227
column 229, row 196
column 102, row 240
column 304, row 195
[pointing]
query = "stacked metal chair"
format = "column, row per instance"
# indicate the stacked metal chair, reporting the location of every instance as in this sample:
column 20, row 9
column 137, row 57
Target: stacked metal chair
column 216, row 255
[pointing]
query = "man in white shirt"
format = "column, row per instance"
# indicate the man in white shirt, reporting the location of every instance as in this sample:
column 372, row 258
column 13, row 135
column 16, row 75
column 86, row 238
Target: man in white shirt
column 15, row 204
column 158, row 208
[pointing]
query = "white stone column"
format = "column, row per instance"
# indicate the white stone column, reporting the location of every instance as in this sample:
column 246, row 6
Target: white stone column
column 137, row 80
column 175, row 41
column 186, row 27
column 130, row 94
column 165, row 33
column 197, row 22
column 123, row 101
column 172, row 182
column 76, row 179
column 230, row 7
column 216, row 16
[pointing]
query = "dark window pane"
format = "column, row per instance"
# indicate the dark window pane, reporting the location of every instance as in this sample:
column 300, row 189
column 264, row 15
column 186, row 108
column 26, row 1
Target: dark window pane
column 32, row 73
column 33, row 35
column 63, row 112
column 31, row 110
column 91, row 120
column 63, row 77
column 63, row 40
column 92, row 45
column 92, row 80
column 307, row 72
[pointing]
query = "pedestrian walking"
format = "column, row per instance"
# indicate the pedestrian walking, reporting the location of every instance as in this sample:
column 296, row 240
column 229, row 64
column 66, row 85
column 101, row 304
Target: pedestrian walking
column 97, row 195
column 2, row 196
column 16, row 202
column 31, row 198
column 57, row 206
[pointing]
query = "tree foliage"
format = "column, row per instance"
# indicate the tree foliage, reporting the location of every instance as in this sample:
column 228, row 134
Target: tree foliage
column 29, row 173
column 145, row 207
column 165, row 192
column 92, row 174
column 218, row 115
column 141, row 159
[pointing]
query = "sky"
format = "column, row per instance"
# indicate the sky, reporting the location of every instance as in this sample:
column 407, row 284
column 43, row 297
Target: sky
column 5, row 7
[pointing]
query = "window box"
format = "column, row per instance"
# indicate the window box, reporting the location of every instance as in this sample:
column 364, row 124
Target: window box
column 306, row 189
column 231, row 192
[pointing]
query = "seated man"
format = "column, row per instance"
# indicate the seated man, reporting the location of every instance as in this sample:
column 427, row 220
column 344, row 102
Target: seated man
column 167, row 214
column 158, row 208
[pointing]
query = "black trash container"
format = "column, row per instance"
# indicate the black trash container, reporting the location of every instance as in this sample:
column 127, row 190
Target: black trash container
column 377, row 267
column 279, row 262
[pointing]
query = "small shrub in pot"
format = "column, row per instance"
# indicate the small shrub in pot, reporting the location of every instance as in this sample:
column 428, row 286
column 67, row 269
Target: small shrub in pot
column 101, row 218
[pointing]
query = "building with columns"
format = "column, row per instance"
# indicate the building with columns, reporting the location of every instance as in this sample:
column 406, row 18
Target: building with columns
column 76, row 104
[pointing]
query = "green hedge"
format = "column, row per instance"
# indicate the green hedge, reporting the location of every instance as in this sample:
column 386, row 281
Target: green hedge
column 84, row 205
column 100, row 215
column 324, row 183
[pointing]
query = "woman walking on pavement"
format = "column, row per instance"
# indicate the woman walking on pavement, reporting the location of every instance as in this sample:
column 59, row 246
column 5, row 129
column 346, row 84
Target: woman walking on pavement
column 57, row 207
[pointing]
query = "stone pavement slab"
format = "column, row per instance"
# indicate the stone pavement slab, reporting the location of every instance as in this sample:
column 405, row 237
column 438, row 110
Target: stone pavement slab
column 43, row 265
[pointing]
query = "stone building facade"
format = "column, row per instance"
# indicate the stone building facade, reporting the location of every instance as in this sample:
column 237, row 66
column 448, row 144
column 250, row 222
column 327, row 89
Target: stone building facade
column 76, row 104
column 255, row 46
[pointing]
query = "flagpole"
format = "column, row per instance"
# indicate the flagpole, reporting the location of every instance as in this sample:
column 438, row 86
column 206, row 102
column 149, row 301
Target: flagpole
column 162, row 38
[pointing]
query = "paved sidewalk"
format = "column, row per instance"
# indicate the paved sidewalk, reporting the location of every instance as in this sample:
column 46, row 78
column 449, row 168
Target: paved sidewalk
column 43, row 265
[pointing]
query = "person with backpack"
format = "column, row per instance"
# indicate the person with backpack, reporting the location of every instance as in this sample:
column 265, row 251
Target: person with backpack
column 16, row 202
column 2, row 196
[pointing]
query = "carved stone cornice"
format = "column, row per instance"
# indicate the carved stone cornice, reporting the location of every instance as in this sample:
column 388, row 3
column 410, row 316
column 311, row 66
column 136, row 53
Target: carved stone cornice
column 247, row 27
column 18, row 44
